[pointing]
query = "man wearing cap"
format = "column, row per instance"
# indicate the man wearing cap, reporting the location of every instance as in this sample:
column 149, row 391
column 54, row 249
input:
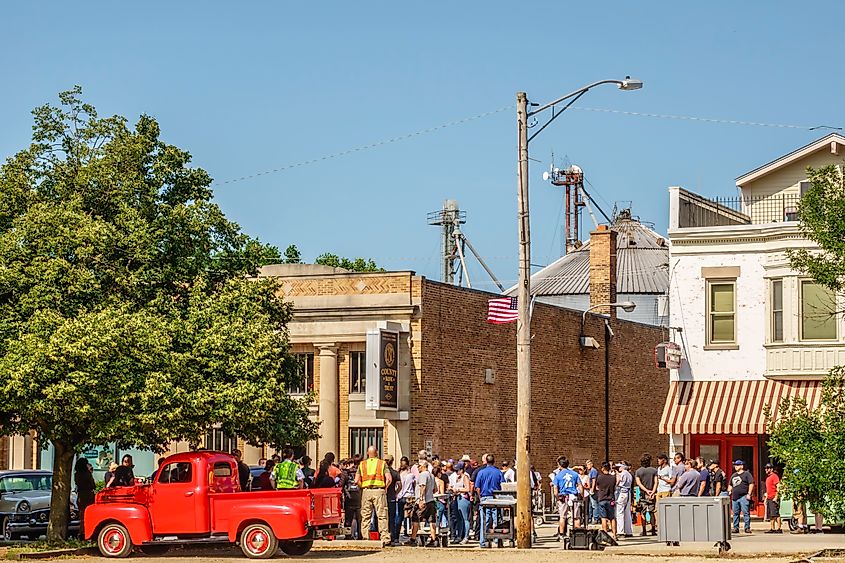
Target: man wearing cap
column 374, row 478
column 718, row 487
column 741, row 489
column 772, row 500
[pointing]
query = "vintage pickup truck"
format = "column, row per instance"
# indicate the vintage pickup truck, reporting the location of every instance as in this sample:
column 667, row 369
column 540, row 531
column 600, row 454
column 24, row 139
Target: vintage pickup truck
column 195, row 498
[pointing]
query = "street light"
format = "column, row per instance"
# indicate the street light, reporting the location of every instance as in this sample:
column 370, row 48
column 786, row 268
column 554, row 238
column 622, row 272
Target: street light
column 590, row 342
column 523, row 325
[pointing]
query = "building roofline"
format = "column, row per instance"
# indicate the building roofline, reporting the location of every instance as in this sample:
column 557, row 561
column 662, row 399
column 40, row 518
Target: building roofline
column 789, row 158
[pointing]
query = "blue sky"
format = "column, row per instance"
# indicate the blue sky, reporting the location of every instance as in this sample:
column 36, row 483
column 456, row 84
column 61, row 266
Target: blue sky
column 250, row 87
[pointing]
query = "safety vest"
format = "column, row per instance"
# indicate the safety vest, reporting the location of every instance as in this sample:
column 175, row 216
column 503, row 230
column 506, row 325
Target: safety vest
column 285, row 475
column 372, row 473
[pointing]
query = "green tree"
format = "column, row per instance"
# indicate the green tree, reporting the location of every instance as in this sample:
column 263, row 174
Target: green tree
column 355, row 265
column 126, row 312
column 822, row 215
column 292, row 255
column 811, row 445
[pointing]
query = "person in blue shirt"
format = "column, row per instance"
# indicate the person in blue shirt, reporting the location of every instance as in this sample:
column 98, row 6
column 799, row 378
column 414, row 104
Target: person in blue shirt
column 593, row 514
column 568, row 490
column 487, row 480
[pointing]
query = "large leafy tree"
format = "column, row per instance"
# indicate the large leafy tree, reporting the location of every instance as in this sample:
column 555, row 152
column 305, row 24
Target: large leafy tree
column 128, row 310
column 811, row 445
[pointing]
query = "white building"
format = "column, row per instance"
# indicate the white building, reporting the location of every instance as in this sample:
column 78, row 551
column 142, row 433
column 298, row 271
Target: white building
column 753, row 330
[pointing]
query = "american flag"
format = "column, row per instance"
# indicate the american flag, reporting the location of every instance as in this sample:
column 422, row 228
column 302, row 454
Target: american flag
column 502, row 310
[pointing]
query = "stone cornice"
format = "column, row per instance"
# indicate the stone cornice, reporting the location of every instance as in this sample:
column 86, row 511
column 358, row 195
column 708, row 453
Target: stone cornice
column 737, row 234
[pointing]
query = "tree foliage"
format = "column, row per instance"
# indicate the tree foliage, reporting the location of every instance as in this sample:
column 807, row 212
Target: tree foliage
column 127, row 311
column 353, row 265
column 811, row 445
column 292, row 255
column 822, row 215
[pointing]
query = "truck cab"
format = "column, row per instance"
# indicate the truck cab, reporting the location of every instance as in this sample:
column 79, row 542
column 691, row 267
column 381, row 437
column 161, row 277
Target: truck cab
column 195, row 497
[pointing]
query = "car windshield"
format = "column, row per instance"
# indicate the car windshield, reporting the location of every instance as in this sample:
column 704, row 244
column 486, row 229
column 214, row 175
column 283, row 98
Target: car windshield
column 21, row 483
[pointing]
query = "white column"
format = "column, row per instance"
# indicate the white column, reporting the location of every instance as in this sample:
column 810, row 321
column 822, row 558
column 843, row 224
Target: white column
column 329, row 412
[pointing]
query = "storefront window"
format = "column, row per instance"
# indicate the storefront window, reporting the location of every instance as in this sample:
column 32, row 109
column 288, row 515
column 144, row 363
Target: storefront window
column 357, row 372
column 362, row 438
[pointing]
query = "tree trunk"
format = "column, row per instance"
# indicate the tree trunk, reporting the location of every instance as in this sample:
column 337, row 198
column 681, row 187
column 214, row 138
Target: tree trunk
column 60, row 499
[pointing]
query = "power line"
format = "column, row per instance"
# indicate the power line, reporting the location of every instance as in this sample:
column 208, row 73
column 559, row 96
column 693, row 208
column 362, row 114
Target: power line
column 505, row 108
column 369, row 146
column 706, row 119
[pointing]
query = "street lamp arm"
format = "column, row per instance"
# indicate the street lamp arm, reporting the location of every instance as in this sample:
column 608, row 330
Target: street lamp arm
column 575, row 93
column 627, row 306
column 556, row 114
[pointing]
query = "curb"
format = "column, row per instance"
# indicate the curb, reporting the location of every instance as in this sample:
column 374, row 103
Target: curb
column 37, row 555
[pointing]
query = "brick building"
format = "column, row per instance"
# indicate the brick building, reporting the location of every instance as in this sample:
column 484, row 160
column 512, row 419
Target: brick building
column 456, row 382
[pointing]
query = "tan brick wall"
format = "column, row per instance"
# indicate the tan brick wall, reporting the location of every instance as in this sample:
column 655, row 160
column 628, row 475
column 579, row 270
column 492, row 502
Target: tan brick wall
column 453, row 407
column 4, row 452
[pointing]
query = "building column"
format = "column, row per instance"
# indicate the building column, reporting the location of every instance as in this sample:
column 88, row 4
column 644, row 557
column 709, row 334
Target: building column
column 328, row 401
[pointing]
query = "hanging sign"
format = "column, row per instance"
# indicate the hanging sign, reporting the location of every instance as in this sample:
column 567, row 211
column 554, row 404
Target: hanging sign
column 382, row 370
column 667, row 355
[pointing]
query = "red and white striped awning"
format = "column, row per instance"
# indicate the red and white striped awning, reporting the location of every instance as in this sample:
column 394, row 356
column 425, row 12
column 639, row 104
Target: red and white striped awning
column 729, row 407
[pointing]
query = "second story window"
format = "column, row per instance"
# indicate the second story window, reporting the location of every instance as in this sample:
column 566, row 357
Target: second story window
column 818, row 312
column 721, row 313
column 357, row 372
column 305, row 375
column 777, row 310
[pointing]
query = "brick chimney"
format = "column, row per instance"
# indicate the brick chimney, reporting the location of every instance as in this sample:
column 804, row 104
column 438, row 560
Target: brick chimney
column 603, row 269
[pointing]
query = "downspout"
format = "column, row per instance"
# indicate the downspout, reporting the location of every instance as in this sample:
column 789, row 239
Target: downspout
column 606, row 392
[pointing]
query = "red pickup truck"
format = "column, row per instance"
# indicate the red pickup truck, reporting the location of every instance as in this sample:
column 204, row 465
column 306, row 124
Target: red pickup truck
column 196, row 499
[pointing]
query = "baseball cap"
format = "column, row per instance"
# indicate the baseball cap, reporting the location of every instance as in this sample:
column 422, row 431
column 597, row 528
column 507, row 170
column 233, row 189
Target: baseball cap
column 388, row 457
column 459, row 465
column 739, row 462
column 713, row 462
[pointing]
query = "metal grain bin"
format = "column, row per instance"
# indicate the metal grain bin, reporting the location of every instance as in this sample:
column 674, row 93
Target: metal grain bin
column 702, row 519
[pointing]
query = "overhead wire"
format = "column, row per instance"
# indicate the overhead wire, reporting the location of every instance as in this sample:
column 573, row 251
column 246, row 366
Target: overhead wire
column 505, row 108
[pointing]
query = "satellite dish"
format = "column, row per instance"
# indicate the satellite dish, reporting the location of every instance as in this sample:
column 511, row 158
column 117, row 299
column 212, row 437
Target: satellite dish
column 546, row 176
column 575, row 169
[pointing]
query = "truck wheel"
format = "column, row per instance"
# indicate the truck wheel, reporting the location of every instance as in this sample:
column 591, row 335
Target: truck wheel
column 296, row 547
column 259, row 542
column 114, row 541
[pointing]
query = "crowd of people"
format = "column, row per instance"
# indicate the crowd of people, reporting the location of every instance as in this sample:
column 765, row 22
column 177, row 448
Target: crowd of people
column 412, row 501
column 421, row 502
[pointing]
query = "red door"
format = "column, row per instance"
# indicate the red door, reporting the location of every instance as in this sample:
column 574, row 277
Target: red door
column 175, row 500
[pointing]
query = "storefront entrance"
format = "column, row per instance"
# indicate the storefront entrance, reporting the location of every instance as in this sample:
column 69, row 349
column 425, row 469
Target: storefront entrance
column 727, row 449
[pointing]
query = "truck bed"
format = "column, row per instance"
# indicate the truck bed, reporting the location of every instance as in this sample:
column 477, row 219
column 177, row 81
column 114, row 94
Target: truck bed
column 320, row 507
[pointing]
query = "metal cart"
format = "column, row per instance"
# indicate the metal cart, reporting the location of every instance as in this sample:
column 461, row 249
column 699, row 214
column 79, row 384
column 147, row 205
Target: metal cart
column 504, row 528
column 695, row 519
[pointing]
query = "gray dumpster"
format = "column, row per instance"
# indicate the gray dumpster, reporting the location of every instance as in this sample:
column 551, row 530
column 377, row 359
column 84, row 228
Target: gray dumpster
column 702, row 519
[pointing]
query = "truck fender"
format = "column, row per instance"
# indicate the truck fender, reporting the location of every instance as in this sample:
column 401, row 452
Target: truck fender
column 287, row 522
column 135, row 518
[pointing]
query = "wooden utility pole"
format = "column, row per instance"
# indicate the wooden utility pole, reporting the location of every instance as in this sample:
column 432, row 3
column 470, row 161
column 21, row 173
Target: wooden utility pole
column 523, row 337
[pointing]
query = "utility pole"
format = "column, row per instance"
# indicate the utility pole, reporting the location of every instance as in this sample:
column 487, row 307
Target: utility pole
column 523, row 337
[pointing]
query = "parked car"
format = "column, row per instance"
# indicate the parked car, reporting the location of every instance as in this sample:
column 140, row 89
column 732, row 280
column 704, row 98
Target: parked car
column 787, row 517
column 196, row 499
column 25, row 504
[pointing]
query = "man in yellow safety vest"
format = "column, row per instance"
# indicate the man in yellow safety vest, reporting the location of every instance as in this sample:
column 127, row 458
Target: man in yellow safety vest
column 287, row 474
column 373, row 477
